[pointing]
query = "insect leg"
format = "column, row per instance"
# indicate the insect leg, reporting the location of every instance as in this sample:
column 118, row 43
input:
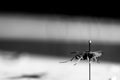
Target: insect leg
column 78, row 61
column 72, row 59
column 88, row 58
column 98, row 61
column 93, row 59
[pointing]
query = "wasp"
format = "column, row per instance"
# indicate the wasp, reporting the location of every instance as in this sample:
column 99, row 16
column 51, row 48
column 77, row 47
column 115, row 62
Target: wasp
column 86, row 55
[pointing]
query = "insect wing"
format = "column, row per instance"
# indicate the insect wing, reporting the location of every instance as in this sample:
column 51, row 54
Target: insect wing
column 100, row 52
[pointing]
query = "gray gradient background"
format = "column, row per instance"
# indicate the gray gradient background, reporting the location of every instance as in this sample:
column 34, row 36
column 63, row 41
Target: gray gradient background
column 30, row 45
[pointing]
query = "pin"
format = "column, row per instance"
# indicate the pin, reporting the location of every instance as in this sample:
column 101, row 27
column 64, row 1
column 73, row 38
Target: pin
column 86, row 55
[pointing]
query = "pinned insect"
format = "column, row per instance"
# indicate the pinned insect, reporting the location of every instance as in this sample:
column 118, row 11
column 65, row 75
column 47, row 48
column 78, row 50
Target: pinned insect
column 86, row 55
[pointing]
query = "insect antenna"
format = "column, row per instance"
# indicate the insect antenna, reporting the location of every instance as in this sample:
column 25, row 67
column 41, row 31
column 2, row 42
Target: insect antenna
column 68, row 60
column 75, row 52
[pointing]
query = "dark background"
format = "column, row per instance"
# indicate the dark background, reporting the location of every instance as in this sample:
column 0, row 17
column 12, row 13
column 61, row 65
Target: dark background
column 94, row 11
column 111, row 53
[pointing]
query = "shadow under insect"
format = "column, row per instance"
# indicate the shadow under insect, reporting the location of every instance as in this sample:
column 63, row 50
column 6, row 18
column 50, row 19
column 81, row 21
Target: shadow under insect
column 29, row 76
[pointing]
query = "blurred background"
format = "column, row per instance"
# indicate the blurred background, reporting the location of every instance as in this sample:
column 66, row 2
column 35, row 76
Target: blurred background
column 33, row 40
column 55, row 36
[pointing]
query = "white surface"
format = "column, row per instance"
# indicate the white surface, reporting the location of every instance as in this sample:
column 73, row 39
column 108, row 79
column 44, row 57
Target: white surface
column 56, row 70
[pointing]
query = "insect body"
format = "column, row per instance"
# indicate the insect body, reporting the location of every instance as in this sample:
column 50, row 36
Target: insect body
column 87, row 55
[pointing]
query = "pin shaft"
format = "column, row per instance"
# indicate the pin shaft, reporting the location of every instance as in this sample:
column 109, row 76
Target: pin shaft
column 89, row 59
